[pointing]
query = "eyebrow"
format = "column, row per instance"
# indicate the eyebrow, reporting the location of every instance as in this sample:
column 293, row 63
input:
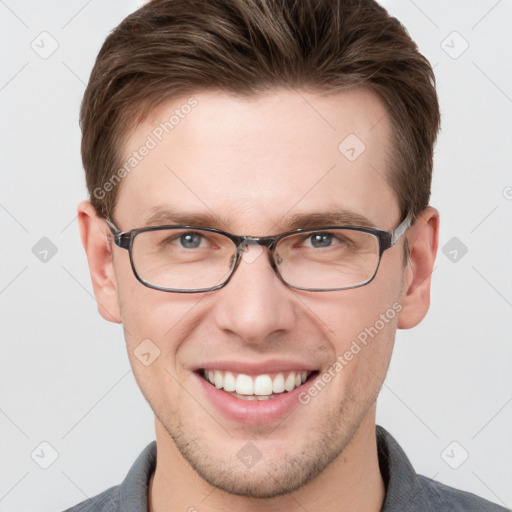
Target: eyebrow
column 337, row 217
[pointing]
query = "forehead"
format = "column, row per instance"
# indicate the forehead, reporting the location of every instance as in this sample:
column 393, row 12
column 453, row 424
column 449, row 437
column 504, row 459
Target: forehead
column 253, row 162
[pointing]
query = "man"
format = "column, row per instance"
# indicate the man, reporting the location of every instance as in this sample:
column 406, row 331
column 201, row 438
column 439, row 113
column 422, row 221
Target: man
column 259, row 175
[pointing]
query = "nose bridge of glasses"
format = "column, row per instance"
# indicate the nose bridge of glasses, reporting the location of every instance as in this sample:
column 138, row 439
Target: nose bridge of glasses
column 255, row 240
column 260, row 243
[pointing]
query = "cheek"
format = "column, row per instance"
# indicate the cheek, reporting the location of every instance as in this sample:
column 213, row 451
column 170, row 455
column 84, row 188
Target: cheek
column 156, row 324
column 353, row 314
column 360, row 326
column 363, row 360
column 146, row 312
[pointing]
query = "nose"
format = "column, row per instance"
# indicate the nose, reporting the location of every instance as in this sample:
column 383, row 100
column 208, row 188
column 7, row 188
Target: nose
column 255, row 304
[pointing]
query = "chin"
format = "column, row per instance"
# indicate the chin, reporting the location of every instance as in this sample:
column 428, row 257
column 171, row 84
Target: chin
column 279, row 468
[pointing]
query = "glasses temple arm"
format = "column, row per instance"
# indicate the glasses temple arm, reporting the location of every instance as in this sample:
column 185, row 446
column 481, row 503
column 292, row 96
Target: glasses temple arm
column 401, row 228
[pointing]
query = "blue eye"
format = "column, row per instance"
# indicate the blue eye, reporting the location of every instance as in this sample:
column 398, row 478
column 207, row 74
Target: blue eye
column 190, row 240
column 321, row 239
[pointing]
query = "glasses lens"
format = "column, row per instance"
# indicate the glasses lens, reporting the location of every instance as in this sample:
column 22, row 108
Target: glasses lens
column 183, row 259
column 326, row 260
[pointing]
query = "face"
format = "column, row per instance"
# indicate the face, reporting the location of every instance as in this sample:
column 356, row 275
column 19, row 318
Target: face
column 248, row 167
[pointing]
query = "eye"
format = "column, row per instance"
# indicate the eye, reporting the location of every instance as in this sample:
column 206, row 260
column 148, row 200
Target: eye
column 182, row 239
column 328, row 240
column 190, row 240
column 321, row 239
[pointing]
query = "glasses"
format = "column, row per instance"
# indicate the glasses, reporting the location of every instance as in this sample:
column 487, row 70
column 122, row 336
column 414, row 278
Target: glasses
column 187, row 259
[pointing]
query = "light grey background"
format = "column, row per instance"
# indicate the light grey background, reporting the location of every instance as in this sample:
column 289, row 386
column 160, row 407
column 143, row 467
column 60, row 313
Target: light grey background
column 65, row 378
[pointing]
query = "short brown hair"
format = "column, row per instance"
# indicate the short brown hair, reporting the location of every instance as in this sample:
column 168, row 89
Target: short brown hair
column 247, row 47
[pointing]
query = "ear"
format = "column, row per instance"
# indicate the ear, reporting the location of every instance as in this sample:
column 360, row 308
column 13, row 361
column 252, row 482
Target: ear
column 423, row 239
column 95, row 236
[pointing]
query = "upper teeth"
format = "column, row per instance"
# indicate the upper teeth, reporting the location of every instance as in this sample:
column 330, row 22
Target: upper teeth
column 258, row 385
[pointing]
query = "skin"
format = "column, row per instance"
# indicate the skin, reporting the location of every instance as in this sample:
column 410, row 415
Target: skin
column 252, row 164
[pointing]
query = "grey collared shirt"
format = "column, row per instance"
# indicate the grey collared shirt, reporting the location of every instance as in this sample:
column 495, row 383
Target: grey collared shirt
column 405, row 490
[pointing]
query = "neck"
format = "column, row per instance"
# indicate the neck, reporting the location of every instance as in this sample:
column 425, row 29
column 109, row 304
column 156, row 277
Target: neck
column 352, row 482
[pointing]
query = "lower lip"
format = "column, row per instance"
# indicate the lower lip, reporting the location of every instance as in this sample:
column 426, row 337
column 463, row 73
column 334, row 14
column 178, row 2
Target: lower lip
column 253, row 411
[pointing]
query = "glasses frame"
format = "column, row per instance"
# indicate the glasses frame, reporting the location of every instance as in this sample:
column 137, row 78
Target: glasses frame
column 386, row 239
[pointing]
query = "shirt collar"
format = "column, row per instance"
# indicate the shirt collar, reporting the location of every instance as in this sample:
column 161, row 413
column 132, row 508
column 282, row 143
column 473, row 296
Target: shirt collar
column 133, row 492
column 400, row 479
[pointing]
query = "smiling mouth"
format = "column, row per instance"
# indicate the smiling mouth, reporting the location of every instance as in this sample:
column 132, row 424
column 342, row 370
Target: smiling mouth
column 258, row 387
